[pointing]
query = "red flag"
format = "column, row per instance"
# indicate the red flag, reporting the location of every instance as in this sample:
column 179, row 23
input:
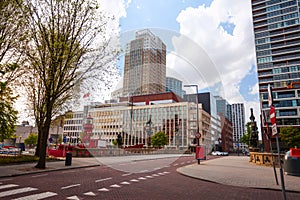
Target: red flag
column 86, row 95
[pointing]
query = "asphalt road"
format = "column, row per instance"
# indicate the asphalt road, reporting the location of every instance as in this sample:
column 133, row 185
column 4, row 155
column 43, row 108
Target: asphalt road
column 152, row 179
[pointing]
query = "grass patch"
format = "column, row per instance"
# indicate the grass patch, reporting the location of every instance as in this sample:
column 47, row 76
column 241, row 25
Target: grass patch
column 20, row 159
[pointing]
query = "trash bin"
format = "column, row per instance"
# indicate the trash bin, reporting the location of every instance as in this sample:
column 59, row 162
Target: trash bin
column 68, row 159
column 291, row 164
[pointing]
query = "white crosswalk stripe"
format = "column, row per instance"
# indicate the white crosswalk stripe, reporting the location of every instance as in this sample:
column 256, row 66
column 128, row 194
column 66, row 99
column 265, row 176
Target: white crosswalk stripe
column 12, row 190
column 16, row 191
column 8, row 186
column 37, row 196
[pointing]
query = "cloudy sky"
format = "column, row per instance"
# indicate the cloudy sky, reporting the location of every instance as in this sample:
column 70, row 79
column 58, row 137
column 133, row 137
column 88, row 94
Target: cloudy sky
column 209, row 42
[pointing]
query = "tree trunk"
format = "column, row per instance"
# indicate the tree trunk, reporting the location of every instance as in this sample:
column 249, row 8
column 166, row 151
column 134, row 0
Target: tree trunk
column 43, row 141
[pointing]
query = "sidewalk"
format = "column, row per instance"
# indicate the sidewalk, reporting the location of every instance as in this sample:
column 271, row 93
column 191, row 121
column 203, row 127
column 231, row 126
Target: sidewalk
column 237, row 171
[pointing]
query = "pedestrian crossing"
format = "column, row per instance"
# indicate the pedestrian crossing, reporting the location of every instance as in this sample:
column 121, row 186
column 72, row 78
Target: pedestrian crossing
column 9, row 190
column 17, row 192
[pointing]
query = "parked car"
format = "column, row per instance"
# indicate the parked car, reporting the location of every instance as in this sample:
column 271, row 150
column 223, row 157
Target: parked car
column 219, row 153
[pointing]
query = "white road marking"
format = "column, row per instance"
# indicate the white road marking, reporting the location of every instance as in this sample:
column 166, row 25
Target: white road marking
column 8, row 186
column 89, row 194
column 134, row 180
column 126, row 174
column 104, row 179
column 43, row 195
column 115, row 186
column 149, row 176
column 16, row 191
column 142, row 178
column 73, row 198
column 154, row 175
column 103, row 190
column 70, row 186
column 125, row 183
column 157, row 168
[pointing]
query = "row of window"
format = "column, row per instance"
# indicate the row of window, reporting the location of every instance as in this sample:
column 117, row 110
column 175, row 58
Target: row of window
column 286, row 76
column 267, row 33
column 264, row 59
column 286, row 69
column 283, row 11
column 276, row 19
column 283, row 24
column 280, row 6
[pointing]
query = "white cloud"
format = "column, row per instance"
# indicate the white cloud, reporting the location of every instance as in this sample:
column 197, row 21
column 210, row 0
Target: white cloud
column 233, row 55
column 254, row 89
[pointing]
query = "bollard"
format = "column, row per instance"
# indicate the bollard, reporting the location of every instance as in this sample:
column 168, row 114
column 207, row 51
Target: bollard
column 68, row 159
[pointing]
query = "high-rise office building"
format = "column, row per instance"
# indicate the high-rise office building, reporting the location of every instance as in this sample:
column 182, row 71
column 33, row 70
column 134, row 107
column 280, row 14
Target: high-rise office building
column 237, row 117
column 145, row 65
column 277, row 30
column 174, row 85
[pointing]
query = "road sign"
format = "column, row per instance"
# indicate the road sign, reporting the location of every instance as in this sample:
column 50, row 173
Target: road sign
column 197, row 135
column 272, row 115
column 274, row 129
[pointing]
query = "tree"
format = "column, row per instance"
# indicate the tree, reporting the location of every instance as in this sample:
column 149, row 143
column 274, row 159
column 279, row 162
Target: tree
column 159, row 139
column 31, row 140
column 290, row 136
column 11, row 36
column 246, row 137
column 62, row 55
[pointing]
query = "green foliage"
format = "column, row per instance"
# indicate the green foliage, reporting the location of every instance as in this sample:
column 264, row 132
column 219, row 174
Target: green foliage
column 290, row 136
column 31, row 140
column 7, row 160
column 115, row 142
column 8, row 115
column 10, row 40
column 159, row 139
column 245, row 139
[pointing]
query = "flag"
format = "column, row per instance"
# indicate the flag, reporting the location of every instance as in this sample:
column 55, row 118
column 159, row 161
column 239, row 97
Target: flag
column 86, row 95
column 270, row 96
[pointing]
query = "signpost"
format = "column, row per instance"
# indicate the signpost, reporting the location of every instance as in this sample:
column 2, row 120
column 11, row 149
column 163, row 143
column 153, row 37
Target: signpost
column 274, row 132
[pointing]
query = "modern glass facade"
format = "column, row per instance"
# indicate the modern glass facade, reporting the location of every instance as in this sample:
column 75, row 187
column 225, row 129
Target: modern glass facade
column 174, row 85
column 145, row 65
column 137, row 123
column 277, row 41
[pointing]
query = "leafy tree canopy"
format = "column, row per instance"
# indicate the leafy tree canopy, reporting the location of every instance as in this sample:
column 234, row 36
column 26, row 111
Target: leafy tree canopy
column 159, row 139
column 31, row 140
column 290, row 136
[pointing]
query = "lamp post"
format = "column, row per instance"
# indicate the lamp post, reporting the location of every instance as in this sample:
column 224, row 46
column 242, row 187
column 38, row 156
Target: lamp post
column 197, row 117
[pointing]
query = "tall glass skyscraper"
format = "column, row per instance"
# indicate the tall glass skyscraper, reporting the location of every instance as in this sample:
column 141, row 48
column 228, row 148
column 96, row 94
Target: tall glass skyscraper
column 237, row 117
column 277, row 41
column 145, row 65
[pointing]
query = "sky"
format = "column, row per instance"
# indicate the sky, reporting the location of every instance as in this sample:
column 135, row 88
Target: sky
column 209, row 42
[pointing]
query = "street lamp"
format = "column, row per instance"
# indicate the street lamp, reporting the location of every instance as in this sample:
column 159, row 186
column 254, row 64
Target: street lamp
column 197, row 102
